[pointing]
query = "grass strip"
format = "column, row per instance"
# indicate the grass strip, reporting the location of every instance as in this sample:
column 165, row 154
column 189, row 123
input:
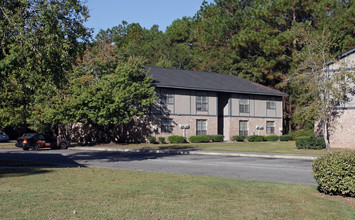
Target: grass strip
column 88, row 193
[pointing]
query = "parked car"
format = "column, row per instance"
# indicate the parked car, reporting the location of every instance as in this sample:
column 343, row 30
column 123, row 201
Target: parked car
column 36, row 141
column 3, row 136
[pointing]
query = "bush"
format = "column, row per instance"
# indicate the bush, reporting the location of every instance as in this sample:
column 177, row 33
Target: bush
column 302, row 133
column 175, row 139
column 217, row 138
column 286, row 137
column 200, row 138
column 272, row 138
column 152, row 140
column 315, row 143
column 162, row 140
column 335, row 173
column 256, row 138
column 238, row 138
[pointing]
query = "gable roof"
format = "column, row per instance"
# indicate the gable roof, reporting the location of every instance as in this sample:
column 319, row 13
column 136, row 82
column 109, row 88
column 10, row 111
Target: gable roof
column 347, row 53
column 206, row 81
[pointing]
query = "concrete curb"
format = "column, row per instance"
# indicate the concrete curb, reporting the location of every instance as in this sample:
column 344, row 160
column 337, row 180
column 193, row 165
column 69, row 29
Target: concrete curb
column 198, row 152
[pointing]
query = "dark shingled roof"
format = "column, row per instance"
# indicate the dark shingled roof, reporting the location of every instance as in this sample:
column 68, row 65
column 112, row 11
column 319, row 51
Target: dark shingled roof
column 206, row 81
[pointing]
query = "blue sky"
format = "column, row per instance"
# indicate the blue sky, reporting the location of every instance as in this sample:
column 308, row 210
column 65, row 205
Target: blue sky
column 108, row 13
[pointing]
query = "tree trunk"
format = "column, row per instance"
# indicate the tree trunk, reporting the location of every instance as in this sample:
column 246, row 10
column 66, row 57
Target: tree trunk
column 326, row 135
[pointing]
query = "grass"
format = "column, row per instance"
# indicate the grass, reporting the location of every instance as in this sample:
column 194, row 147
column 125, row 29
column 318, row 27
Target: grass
column 88, row 193
column 262, row 147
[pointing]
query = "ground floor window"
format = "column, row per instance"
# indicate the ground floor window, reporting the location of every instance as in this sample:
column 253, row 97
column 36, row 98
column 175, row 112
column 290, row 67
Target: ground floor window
column 270, row 127
column 166, row 125
column 201, row 127
column 243, row 128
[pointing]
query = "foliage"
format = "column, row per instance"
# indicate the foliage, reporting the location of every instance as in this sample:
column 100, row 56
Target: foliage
column 152, row 140
column 272, row 138
column 162, row 140
column 200, row 138
column 109, row 100
column 301, row 133
column 323, row 89
column 238, row 138
column 316, row 143
column 335, row 173
column 175, row 139
column 41, row 39
column 256, row 138
column 217, row 138
column 285, row 137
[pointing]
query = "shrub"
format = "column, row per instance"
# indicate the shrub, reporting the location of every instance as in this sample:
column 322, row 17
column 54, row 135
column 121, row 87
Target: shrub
column 315, row 143
column 272, row 138
column 175, row 139
column 200, row 138
column 285, row 137
column 256, row 138
column 152, row 140
column 238, row 138
column 302, row 133
column 217, row 138
column 162, row 140
column 335, row 173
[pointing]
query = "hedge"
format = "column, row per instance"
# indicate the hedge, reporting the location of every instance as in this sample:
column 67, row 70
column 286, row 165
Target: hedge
column 175, row 139
column 217, row 138
column 200, row 138
column 272, row 138
column 256, row 138
column 302, row 133
column 238, row 138
column 335, row 173
column 162, row 140
column 152, row 140
column 315, row 143
column 285, row 137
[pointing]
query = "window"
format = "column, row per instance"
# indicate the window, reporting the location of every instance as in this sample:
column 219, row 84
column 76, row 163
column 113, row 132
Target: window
column 166, row 125
column 201, row 102
column 167, row 97
column 270, row 104
column 270, row 127
column 201, row 127
column 243, row 128
column 244, row 105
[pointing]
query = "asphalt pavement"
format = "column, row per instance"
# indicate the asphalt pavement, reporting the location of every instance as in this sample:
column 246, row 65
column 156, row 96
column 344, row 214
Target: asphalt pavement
column 296, row 169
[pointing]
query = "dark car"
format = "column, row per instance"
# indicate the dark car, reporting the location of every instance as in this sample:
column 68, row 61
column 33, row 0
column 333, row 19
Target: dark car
column 36, row 141
column 3, row 136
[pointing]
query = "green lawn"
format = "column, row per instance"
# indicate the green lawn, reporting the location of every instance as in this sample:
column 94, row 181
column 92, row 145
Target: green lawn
column 264, row 147
column 87, row 193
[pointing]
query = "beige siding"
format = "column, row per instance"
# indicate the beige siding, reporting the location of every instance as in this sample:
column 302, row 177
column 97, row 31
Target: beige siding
column 212, row 103
column 260, row 106
column 182, row 102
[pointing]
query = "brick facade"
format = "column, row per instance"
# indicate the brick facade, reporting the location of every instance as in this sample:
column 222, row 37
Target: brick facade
column 341, row 131
column 231, row 127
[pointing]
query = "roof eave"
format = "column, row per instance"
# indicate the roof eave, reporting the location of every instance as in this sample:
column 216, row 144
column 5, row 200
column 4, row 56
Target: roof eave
column 280, row 94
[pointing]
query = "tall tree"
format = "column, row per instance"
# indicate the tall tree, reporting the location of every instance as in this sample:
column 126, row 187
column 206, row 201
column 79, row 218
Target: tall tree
column 40, row 40
column 323, row 90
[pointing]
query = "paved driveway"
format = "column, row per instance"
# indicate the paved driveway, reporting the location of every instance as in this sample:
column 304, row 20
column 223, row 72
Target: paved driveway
column 263, row 169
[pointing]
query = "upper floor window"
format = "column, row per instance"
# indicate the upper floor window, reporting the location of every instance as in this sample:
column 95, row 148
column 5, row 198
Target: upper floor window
column 270, row 104
column 244, row 106
column 166, row 125
column 201, row 127
column 167, row 97
column 270, row 127
column 201, row 102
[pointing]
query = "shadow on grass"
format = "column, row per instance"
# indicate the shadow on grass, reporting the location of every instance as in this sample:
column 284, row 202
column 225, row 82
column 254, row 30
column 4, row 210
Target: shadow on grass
column 18, row 172
column 178, row 147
